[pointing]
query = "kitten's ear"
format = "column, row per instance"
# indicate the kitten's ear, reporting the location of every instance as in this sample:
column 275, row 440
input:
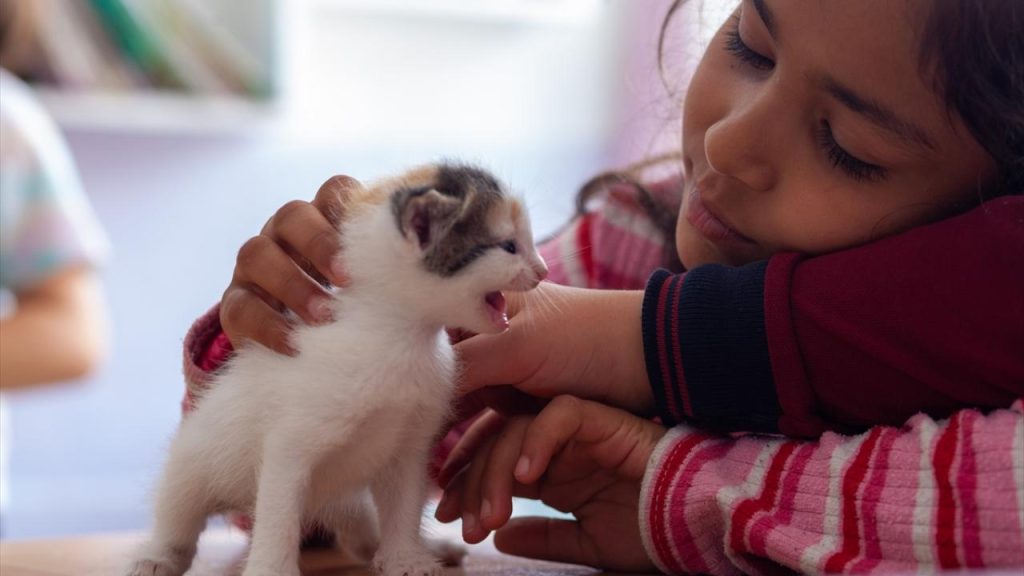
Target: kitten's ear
column 426, row 216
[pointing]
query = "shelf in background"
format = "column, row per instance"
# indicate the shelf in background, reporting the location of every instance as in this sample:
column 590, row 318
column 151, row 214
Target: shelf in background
column 516, row 12
column 158, row 112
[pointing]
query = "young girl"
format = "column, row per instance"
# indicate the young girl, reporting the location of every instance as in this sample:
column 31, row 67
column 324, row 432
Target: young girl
column 851, row 224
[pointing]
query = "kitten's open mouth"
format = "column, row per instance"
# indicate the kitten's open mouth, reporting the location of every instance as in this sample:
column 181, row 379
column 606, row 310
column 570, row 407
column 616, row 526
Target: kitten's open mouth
column 496, row 309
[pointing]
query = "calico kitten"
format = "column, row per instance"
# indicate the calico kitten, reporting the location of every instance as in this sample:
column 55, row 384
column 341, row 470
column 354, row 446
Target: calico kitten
column 295, row 440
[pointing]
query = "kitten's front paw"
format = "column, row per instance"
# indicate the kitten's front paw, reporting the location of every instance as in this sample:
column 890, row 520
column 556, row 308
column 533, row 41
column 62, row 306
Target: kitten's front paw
column 408, row 564
column 251, row 570
column 153, row 568
column 448, row 553
column 156, row 560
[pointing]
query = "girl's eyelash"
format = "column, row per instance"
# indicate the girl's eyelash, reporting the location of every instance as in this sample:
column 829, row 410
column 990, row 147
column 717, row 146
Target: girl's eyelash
column 853, row 167
column 738, row 48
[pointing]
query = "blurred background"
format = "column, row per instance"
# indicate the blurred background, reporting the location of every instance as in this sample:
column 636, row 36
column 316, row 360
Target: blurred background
column 192, row 121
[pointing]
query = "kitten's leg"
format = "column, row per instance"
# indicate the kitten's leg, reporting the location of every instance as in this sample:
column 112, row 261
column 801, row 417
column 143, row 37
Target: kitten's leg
column 399, row 493
column 356, row 528
column 181, row 508
column 280, row 502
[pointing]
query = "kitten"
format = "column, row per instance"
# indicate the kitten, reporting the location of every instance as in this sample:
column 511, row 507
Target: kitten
column 304, row 439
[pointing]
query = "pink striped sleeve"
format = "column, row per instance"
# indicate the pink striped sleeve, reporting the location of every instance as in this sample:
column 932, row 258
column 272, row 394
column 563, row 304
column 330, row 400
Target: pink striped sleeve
column 614, row 246
column 929, row 496
column 206, row 349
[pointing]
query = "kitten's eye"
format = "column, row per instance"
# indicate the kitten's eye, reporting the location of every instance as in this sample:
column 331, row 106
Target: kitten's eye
column 509, row 246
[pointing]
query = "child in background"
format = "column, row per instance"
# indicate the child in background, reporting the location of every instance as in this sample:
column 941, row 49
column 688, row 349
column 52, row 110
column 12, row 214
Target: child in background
column 52, row 313
column 851, row 224
column 54, row 327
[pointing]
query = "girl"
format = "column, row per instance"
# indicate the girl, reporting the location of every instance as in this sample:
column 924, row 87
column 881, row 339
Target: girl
column 851, row 224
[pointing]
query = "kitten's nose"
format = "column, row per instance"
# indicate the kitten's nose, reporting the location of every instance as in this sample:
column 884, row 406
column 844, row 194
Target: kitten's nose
column 540, row 269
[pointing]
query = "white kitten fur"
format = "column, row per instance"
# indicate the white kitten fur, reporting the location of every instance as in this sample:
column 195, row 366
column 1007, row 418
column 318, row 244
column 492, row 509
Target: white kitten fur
column 304, row 439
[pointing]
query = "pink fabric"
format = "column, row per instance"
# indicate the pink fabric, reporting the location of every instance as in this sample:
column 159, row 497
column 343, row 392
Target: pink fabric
column 206, row 349
column 925, row 497
column 615, row 246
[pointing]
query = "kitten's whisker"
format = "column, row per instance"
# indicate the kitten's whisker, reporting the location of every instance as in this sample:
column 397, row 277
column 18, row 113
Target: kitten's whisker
column 546, row 303
column 570, row 256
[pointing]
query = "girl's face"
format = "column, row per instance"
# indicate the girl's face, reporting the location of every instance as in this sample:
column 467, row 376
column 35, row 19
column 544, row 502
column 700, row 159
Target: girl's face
column 809, row 127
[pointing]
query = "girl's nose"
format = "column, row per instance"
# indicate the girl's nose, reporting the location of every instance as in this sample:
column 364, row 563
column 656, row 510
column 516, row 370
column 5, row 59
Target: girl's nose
column 740, row 145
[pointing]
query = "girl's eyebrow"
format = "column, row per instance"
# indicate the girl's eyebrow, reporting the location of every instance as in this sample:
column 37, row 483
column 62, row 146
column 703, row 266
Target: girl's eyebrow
column 877, row 113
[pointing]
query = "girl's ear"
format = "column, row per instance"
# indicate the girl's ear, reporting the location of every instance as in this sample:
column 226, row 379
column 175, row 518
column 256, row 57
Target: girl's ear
column 426, row 215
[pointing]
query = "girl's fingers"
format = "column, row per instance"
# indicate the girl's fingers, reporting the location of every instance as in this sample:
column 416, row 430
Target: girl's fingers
column 333, row 195
column 484, row 427
column 552, row 429
column 548, row 539
column 309, row 238
column 624, row 441
column 246, row 316
column 264, row 264
column 331, row 199
column 472, row 531
column 497, row 481
column 450, row 507
column 503, row 399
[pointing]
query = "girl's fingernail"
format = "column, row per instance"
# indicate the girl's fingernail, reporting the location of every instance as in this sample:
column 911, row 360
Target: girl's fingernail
column 468, row 524
column 320, row 309
column 442, row 506
column 485, row 510
column 522, row 467
column 338, row 271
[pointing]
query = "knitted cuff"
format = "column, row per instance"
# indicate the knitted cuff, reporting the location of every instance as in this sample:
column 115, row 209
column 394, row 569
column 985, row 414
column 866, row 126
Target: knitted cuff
column 675, row 542
column 706, row 348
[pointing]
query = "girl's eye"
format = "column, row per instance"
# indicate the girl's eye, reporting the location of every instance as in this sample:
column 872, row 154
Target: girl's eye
column 509, row 246
column 738, row 48
column 839, row 158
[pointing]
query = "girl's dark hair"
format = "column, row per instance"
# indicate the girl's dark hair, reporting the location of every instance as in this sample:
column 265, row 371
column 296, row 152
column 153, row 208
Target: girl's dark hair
column 661, row 213
column 974, row 52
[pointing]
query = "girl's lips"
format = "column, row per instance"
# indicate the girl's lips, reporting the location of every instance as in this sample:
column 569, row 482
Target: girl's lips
column 707, row 223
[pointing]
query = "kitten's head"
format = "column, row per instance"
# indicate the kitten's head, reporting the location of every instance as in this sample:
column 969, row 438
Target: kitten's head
column 471, row 240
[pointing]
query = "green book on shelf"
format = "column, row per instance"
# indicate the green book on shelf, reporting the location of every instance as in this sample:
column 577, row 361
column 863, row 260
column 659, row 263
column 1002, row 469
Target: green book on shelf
column 138, row 46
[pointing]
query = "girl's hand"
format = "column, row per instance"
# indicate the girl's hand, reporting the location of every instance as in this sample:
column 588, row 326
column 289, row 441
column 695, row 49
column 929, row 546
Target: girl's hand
column 288, row 266
column 576, row 456
column 586, row 343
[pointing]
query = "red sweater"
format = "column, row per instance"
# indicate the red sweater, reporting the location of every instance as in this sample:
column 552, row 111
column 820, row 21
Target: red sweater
column 931, row 320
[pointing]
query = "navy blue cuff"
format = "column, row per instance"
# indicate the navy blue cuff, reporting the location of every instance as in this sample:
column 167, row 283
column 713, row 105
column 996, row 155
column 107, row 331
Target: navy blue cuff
column 661, row 351
column 707, row 350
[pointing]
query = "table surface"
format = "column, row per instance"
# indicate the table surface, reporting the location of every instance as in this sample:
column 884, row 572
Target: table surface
column 222, row 553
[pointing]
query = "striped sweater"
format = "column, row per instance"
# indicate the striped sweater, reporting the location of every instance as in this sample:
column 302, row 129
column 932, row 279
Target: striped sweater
column 892, row 499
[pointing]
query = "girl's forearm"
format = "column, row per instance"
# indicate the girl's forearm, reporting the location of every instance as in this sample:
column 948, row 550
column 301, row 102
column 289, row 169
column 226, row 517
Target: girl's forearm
column 614, row 320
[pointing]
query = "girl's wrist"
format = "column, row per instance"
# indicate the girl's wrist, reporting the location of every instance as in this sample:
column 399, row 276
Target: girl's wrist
column 615, row 319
